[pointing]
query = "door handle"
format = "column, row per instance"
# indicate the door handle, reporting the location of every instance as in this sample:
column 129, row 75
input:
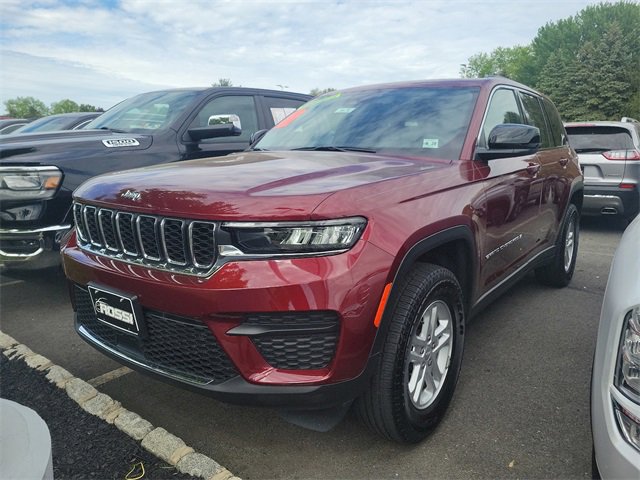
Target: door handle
column 563, row 162
column 533, row 168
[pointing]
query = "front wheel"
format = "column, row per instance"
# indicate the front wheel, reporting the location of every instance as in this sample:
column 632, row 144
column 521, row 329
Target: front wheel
column 421, row 357
column 559, row 272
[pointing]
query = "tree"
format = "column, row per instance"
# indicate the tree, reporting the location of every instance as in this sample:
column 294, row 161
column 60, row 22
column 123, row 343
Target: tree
column 589, row 25
column 589, row 64
column 223, row 82
column 25, row 107
column 64, row 106
column 512, row 62
column 83, row 107
column 320, row 91
column 594, row 84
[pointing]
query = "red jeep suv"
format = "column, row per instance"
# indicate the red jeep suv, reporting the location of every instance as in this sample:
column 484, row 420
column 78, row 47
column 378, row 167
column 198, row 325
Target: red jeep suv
column 340, row 258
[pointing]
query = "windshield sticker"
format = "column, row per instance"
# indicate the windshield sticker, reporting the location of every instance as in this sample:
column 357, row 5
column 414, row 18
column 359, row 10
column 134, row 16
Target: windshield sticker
column 121, row 142
column 290, row 118
column 430, row 143
column 344, row 110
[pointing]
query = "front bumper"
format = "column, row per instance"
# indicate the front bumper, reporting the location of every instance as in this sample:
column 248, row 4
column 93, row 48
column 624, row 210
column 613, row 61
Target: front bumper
column 36, row 247
column 615, row 456
column 237, row 330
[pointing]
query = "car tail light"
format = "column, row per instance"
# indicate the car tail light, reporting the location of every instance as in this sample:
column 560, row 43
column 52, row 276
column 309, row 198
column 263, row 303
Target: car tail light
column 627, row 186
column 622, row 155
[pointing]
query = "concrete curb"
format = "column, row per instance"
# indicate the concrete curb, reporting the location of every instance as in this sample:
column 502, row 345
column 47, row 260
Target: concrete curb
column 158, row 441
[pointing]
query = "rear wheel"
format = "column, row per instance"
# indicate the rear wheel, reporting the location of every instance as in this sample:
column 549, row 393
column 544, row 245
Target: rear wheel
column 421, row 357
column 559, row 272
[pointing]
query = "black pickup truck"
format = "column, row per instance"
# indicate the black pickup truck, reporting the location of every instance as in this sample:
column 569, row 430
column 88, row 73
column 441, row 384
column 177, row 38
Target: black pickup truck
column 39, row 172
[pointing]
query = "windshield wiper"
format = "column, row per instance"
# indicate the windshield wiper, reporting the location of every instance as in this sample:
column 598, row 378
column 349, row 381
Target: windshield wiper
column 333, row 148
column 114, row 130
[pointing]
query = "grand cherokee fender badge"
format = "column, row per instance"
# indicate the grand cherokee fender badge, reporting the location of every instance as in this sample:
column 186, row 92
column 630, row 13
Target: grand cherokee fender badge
column 121, row 142
column 131, row 195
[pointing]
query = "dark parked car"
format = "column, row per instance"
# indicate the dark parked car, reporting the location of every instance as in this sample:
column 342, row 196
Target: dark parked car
column 339, row 260
column 62, row 121
column 38, row 172
column 609, row 155
column 9, row 125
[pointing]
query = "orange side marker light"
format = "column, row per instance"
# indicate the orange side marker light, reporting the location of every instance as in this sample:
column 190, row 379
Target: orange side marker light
column 383, row 303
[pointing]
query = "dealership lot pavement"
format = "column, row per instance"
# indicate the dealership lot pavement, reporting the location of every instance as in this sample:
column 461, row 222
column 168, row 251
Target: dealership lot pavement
column 521, row 408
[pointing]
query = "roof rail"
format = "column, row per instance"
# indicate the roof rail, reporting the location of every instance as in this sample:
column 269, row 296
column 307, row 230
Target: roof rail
column 629, row 119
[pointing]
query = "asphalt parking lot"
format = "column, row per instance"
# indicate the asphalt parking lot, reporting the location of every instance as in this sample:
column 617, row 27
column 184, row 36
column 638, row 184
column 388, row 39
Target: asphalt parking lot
column 521, row 408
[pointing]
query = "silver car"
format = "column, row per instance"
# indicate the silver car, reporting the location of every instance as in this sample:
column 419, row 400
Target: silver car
column 609, row 154
column 615, row 386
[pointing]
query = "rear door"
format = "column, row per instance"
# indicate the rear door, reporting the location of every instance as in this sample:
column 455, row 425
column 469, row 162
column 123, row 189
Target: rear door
column 548, row 185
column 275, row 109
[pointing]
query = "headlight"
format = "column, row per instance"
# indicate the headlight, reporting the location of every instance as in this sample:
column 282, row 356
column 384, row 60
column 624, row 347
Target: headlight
column 291, row 238
column 629, row 363
column 29, row 183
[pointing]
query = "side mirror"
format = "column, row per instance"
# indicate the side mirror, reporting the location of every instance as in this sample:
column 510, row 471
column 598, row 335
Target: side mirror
column 226, row 125
column 510, row 140
column 225, row 118
column 257, row 136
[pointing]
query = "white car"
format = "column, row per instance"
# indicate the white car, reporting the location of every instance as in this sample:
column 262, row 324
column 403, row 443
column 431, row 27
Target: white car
column 615, row 387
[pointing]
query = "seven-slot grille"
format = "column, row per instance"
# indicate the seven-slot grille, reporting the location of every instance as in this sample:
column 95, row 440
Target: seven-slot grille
column 187, row 246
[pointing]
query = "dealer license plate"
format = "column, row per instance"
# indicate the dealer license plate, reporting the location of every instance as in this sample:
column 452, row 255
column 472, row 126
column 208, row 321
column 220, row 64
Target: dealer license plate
column 116, row 309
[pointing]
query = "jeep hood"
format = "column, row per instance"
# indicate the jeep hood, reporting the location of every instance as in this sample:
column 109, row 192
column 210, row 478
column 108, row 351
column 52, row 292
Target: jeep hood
column 250, row 186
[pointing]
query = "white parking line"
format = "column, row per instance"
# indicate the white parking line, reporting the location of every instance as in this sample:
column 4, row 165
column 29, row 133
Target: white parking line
column 14, row 282
column 107, row 377
column 591, row 252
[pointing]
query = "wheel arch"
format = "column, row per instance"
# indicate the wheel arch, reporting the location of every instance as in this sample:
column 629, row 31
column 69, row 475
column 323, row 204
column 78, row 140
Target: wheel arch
column 453, row 249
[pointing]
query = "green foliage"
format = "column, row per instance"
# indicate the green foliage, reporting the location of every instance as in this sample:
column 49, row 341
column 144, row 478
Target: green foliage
column 588, row 64
column 223, row 82
column 25, row 107
column 320, row 91
column 29, row 107
column 64, row 106
column 513, row 63
column 84, row 107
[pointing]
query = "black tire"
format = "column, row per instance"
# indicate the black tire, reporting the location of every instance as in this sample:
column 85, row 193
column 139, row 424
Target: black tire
column 387, row 407
column 559, row 272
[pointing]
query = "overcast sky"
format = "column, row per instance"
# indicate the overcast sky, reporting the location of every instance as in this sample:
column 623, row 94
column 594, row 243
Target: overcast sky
column 103, row 51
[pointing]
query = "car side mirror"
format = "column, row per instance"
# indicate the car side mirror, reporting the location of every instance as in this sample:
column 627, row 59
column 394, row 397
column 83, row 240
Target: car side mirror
column 257, row 136
column 510, row 140
column 225, row 125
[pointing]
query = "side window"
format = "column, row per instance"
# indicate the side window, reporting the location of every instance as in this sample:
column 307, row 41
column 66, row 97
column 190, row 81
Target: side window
column 558, row 134
column 279, row 108
column 502, row 109
column 241, row 105
column 535, row 117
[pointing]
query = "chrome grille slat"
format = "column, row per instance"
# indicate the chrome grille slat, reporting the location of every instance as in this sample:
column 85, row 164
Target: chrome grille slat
column 146, row 227
column 173, row 241
column 126, row 233
column 171, row 244
column 105, row 222
column 77, row 218
column 91, row 223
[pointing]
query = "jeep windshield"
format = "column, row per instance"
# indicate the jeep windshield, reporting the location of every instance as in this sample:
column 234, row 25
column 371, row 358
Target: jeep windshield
column 145, row 113
column 415, row 121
